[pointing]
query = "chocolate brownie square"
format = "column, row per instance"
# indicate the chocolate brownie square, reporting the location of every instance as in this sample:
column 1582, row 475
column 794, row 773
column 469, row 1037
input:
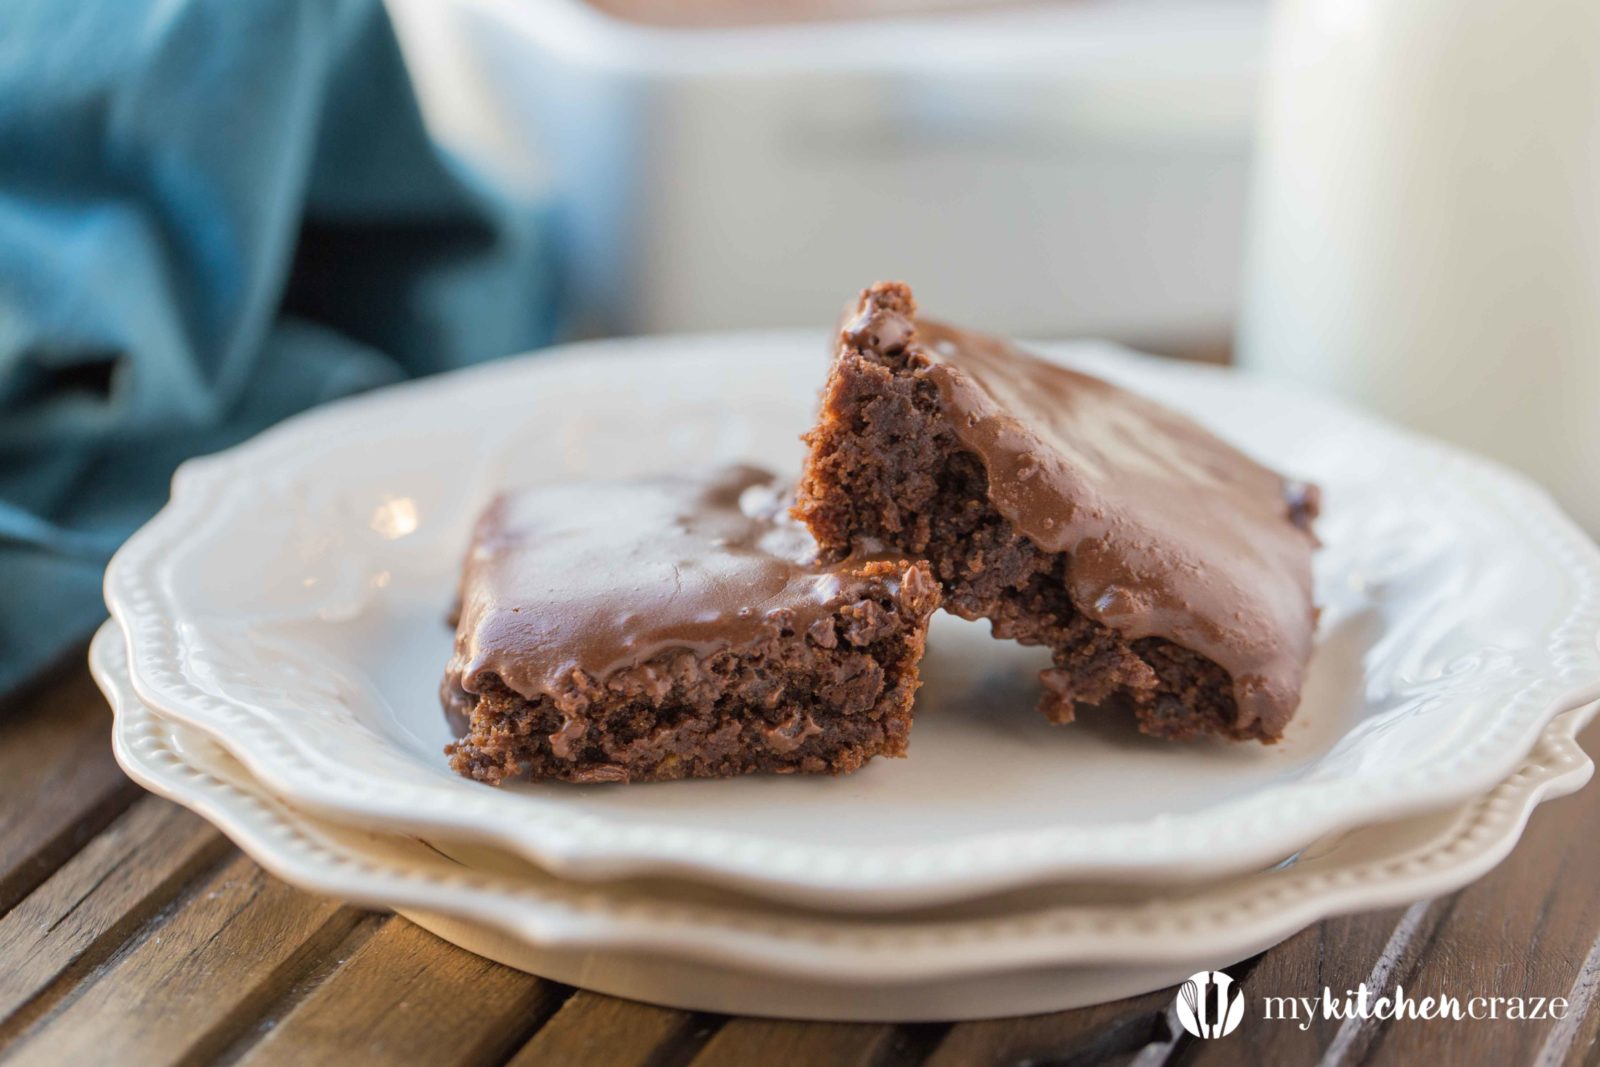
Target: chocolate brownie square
column 675, row 627
column 1166, row 571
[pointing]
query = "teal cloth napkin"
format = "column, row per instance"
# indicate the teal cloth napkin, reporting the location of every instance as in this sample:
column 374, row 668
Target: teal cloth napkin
column 213, row 214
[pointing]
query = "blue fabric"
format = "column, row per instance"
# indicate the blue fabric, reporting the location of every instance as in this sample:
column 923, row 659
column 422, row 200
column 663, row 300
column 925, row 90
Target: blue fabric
column 213, row 213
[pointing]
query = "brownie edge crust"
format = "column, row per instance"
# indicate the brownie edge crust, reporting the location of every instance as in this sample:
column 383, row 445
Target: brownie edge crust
column 708, row 645
column 1143, row 552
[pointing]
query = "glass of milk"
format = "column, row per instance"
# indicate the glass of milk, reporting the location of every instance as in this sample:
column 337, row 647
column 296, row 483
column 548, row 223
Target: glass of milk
column 1425, row 234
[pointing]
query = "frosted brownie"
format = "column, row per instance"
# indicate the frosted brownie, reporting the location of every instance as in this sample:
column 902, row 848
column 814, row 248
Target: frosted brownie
column 1166, row 571
column 675, row 627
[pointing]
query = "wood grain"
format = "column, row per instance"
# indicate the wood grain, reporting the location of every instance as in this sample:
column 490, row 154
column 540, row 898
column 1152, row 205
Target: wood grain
column 1526, row 929
column 79, row 916
column 1086, row 1035
column 59, row 784
column 592, row 1030
column 774, row 1043
column 194, row 979
column 405, row 997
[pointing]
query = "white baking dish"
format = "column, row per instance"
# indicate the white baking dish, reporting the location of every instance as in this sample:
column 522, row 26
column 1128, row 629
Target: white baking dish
column 1042, row 170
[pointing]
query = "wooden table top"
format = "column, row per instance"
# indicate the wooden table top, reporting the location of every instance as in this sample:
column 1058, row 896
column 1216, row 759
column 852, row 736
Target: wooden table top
column 131, row 932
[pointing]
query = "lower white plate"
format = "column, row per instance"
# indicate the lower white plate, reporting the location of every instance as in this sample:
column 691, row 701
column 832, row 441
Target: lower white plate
column 1045, row 949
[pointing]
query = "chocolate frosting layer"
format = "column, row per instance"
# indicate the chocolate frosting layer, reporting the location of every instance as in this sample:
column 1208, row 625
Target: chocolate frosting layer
column 1172, row 533
column 601, row 576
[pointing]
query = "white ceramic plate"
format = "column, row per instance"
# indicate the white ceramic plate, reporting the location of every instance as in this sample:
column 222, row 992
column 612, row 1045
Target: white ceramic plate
column 289, row 601
column 1042, row 950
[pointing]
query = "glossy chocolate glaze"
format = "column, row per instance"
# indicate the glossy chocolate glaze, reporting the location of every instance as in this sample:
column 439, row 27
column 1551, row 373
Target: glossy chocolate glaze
column 601, row 576
column 1172, row 533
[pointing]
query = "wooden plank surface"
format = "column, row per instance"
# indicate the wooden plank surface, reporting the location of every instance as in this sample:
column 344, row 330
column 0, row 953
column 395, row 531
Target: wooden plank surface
column 776, row 1043
column 598, row 1031
column 403, row 997
column 96, row 901
column 59, row 784
column 132, row 932
column 1530, row 928
column 181, row 992
column 1098, row 1034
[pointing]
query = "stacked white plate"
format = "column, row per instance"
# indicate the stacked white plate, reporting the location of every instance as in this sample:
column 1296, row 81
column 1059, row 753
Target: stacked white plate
column 279, row 638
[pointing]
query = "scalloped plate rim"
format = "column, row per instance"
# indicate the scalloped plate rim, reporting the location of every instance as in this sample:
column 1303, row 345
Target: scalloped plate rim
column 772, row 939
column 579, row 848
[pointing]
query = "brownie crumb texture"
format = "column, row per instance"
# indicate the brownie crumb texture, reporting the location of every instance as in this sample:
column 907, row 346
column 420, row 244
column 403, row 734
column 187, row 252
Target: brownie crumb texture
column 887, row 472
column 821, row 701
column 675, row 626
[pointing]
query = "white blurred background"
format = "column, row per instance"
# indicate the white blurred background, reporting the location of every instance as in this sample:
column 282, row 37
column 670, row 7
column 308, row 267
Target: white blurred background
column 1039, row 169
column 1415, row 185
